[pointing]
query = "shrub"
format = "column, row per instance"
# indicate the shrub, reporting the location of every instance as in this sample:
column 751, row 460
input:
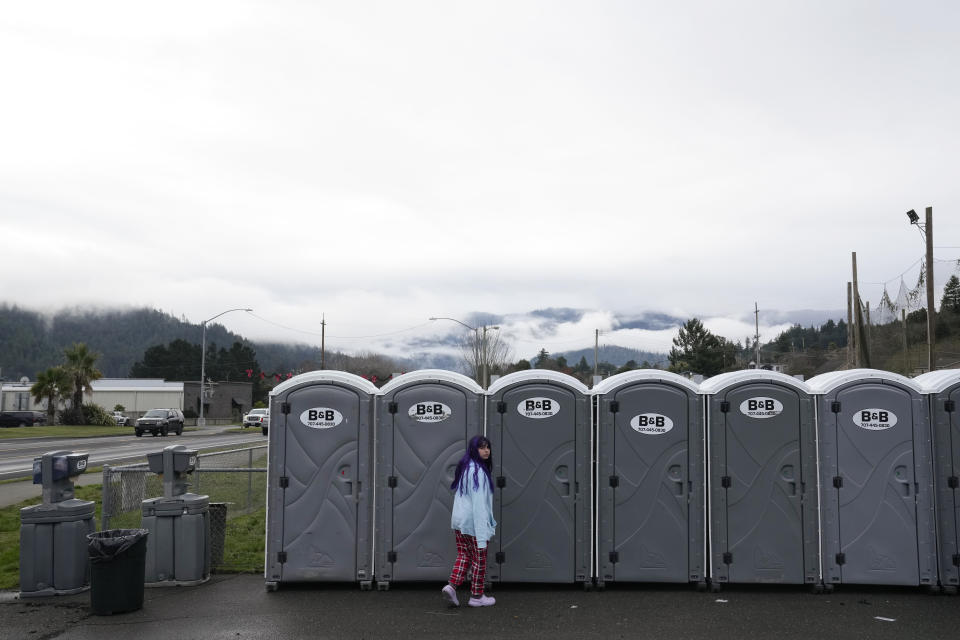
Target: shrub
column 92, row 414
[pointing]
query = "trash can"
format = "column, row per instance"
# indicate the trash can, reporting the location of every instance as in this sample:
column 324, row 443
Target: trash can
column 117, row 560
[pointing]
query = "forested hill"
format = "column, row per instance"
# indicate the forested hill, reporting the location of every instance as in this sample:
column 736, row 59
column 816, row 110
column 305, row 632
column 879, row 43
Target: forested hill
column 31, row 342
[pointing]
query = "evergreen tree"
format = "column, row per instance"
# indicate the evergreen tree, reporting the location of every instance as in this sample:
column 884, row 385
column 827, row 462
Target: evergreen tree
column 696, row 350
column 951, row 296
column 542, row 358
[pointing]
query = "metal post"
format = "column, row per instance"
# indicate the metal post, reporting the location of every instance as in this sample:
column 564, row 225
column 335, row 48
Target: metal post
column 483, row 347
column 928, row 231
column 906, row 353
column 106, row 489
column 249, row 479
column 203, row 358
column 203, row 371
column 756, row 337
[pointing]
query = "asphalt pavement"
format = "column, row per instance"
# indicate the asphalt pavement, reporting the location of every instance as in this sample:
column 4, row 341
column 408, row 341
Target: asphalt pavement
column 238, row 606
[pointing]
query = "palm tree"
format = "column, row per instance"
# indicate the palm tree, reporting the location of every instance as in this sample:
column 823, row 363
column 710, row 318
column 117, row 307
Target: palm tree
column 52, row 385
column 81, row 365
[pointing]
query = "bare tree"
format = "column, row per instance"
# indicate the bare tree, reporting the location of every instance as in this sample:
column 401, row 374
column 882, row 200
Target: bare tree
column 488, row 348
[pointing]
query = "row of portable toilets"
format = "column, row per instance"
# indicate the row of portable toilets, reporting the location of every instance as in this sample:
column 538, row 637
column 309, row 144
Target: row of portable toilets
column 749, row 477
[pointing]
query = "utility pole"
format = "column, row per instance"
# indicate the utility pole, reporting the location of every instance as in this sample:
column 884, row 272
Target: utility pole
column 850, row 336
column 596, row 350
column 856, row 315
column 323, row 340
column 906, row 353
column 756, row 336
column 862, row 354
column 928, row 232
column 867, row 331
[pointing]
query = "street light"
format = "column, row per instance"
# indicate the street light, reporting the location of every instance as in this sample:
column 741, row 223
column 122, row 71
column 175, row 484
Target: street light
column 483, row 343
column 926, row 229
column 203, row 359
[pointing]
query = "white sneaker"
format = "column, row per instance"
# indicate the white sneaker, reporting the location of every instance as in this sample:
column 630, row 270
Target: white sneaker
column 450, row 594
column 482, row 601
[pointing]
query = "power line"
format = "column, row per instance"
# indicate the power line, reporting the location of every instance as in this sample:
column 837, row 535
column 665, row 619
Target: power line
column 314, row 333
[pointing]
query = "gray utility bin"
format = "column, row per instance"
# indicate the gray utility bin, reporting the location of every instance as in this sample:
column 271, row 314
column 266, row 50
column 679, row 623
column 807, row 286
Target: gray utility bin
column 53, row 535
column 538, row 423
column 876, row 481
column 319, row 497
column 178, row 545
column 650, row 470
column 762, row 479
column 424, row 421
column 943, row 393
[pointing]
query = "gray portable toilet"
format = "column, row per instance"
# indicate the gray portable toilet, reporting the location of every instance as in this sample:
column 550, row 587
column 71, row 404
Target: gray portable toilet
column 943, row 391
column 539, row 427
column 424, row 421
column 762, row 495
column 320, row 479
column 650, row 487
column 876, row 481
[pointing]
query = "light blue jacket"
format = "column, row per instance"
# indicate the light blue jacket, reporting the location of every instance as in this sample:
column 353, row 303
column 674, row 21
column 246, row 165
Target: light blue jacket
column 473, row 511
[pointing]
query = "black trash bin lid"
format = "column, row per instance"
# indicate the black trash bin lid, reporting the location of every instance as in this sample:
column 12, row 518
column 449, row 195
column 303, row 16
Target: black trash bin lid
column 107, row 545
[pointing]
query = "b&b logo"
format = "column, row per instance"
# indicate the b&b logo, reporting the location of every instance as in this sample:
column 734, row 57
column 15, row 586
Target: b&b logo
column 538, row 408
column 874, row 419
column 651, row 423
column 81, row 464
column 321, row 418
column 430, row 412
column 761, row 407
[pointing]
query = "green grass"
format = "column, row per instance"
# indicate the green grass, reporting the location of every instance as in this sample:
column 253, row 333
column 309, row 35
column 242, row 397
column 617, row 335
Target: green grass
column 244, row 545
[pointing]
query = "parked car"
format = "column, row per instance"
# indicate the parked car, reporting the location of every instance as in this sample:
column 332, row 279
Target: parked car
column 256, row 418
column 22, row 418
column 120, row 419
column 160, row 422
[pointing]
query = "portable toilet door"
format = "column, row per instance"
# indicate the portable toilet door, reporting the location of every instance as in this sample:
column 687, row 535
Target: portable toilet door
column 538, row 423
column 425, row 420
column 762, row 479
column 876, row 481
column 650, row 472
column 319, row 504
column 943, row 391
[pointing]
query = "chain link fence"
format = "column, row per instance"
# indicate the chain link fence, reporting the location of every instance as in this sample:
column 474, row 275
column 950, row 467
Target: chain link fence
column 235, row 480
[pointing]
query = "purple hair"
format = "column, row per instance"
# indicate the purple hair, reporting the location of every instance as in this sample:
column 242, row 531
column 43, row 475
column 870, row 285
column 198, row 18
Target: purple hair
column 473, row 453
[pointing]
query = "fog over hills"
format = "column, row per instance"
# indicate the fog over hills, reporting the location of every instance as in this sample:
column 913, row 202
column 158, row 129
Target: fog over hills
column 31, row 341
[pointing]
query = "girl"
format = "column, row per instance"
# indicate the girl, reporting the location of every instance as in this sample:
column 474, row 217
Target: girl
column 472, row 521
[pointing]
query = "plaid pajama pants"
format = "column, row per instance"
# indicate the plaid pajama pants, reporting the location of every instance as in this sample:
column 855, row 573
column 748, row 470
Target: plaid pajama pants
column 469, row 553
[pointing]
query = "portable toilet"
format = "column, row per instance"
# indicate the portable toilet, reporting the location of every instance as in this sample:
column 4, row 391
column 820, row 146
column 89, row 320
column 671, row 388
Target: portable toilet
column 424, row 421
column 538, row 423
column 650, row 470
column 876, row 479
column 320, row 479
column 762, row 495
column 943, row 391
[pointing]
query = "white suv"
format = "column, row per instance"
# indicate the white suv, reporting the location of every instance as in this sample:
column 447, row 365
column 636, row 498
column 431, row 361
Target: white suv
column 257, row 418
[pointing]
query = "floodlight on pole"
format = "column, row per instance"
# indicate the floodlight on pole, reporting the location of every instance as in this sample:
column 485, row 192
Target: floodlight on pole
column 926, row 229
column 201, row 421
column 481, row 340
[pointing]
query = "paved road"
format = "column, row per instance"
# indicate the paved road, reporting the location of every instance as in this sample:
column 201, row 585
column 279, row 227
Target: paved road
column 236, row 606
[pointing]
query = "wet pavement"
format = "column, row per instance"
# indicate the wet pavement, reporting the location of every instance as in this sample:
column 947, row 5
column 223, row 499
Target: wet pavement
column 238, row 606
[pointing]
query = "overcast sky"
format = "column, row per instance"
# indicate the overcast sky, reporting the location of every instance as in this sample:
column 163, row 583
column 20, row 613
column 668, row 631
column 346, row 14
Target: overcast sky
column 383, row 162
